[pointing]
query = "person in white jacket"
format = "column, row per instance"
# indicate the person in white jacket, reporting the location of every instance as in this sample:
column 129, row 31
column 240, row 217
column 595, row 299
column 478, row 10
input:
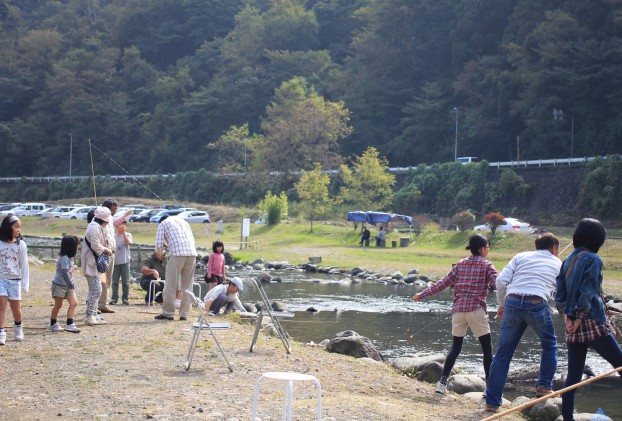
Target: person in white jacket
column 14, row 274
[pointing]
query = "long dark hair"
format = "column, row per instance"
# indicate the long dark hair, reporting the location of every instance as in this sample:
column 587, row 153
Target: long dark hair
column 6, row 228
column 69, row 246
column 216, row 245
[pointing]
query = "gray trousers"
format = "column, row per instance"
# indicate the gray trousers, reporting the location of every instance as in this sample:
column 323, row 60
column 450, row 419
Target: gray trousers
column 182, row 268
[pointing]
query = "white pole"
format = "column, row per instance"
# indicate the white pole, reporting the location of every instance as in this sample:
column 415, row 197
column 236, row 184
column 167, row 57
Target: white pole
column 70, row 152
column 456, row 142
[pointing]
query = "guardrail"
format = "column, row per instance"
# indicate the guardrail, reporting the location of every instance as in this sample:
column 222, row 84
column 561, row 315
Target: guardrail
column 396, row 170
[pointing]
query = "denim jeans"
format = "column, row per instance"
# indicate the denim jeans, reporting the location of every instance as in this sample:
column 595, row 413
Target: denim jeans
column 121, row 271
column 606, row 347
column 517, row 315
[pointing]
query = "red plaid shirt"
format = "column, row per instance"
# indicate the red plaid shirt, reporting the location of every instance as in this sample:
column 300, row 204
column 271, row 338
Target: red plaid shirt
column 471, row 278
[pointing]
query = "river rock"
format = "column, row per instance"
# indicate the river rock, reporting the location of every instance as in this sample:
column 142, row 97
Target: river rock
column 479, row 398
column 409, row 279
column 279, row 306
column 351, row 343
column 308, row 267
column 431, row 372
column 414, row 364
column 32, row 259
column 356, row 280
column 548, row 410
column 258, row 261
column 239, row 266
column 249, row 307
column 419, row 283
column 355, row 271
column 413, row 271
column 276, row 265
column 424, row 278
column 271, row 330
column 334, row 271
column 392, row 281
column 397, row 275
column 276, row 279
column 312, row 309
column 465, row 383
column 257, row 266
column 613, row 306
column 264, row 277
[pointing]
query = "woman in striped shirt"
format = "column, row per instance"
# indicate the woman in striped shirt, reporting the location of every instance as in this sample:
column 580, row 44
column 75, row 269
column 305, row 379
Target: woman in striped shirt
column 472, row 278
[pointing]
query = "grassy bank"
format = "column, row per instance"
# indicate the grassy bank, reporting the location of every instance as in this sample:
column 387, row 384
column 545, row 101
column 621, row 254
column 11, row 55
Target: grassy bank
column 431, row 252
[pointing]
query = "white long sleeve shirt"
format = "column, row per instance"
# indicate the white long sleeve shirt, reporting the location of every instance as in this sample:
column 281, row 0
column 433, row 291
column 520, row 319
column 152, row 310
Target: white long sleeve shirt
column 529, row 273
column 14, row 262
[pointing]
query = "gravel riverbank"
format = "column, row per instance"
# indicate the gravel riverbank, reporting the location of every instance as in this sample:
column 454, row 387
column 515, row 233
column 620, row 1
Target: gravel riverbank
column 132, row 368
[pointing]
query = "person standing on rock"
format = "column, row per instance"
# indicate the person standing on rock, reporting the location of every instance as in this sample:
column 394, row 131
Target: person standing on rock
column 174, row 236
column 14, row 274
column 524, row 287
column 471, row 278
column 579, row 295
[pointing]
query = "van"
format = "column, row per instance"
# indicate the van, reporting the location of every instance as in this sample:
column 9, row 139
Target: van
column 28, row 209
column 467, row 159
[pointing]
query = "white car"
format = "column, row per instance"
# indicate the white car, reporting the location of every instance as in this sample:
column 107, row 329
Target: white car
column 509, row 225
column 77, row 213
column 26, row 209
column 195, row 216
column 55, row 212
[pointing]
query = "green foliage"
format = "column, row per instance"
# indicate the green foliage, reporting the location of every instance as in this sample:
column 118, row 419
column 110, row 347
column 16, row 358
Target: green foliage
column 464, row 220
column 313, row 193
column 274, row 207
column 369, row 185
column 601, row 192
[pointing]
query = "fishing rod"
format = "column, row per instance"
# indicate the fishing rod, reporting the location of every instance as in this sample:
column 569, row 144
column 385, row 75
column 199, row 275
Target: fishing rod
column 122, row 169
column 93, row 172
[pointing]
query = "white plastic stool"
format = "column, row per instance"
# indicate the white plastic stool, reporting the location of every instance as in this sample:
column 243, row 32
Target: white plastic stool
column 290, row 378
column 151, row 292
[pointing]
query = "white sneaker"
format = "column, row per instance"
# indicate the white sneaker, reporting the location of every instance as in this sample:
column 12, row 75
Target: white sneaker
column 56, row 327
column 93, row 321
column 72, row 328
column 177, row 303
column 2, row 337
column 18, row 331
column 441, row 388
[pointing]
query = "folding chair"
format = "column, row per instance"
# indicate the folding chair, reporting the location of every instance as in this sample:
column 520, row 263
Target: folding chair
column 202, row 321
column 274, row 316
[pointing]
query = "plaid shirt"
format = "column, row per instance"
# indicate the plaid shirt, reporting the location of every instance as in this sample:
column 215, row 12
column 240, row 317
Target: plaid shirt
column 471, row 279
column 174, row 235
column 589, row 330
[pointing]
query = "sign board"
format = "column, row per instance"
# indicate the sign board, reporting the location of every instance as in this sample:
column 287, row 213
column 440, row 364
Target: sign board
column 246, row 227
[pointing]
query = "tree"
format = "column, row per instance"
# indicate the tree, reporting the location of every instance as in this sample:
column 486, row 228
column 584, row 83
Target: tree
column 301, row 128
column 494, row 219
column 313, row 192
column 369, row 185
column 463, row 220
column 274, row 207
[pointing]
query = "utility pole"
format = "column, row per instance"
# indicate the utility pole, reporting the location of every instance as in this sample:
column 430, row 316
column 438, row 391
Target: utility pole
column 70, row 152
column 456, row 142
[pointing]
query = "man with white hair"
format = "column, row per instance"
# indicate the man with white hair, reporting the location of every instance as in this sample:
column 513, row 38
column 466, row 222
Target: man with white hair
column 223, row 294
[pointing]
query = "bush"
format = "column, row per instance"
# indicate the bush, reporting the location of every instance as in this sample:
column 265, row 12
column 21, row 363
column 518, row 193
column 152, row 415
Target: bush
column 274, row 207
column 463, row 220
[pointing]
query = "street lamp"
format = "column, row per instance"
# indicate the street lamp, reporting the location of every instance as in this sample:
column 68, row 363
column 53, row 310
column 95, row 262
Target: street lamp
column 456, row 143
column 70, row 152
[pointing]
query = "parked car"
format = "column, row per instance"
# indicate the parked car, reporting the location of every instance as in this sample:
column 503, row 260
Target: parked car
column 467, row 159
column 55, row 212
column 195, row 216
column 509, row 225
column 145, row 215
column 77, row 213
column 27, row 209
column 157, row 218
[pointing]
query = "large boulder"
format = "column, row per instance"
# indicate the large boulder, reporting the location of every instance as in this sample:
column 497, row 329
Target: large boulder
column 264, row 277
column 351, row 343
column 279, row 306
column 547, row 410
column 431, row 372
column 414, row 364
column 355, row 271
column 465, row 383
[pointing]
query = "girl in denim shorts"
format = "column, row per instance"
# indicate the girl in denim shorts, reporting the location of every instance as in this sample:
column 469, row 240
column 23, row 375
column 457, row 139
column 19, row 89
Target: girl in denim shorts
column 14, row 276
column 63, row 287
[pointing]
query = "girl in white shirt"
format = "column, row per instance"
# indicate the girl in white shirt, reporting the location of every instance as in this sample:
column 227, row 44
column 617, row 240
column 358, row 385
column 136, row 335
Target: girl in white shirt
column 14, row 275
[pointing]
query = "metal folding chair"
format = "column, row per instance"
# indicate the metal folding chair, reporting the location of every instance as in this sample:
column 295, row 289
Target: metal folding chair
column 274, row 316
column 202, row 321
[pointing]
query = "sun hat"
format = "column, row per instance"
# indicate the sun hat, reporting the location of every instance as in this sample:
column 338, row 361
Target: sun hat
column 103, row 213
column 238, row 283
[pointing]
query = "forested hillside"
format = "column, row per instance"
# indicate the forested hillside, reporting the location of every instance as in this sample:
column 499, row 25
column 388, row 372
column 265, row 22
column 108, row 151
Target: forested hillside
column 163, row 86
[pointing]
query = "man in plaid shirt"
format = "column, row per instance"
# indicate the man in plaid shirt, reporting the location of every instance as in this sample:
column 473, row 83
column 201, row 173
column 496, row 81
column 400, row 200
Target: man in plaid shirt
column 471, row 278
column 175, row 237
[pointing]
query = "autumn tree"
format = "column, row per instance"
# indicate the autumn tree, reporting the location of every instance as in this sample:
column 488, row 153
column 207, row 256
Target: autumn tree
column 494, row 219
column 313, row 192
column 300, row 129
column 368, row 186
column 463, row 220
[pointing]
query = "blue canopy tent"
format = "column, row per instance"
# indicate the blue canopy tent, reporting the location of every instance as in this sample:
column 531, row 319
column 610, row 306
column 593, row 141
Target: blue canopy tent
column 377, row 217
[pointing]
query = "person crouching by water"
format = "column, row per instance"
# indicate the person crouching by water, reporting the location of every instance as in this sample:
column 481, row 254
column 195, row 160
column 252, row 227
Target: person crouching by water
column 216, row 274
column 223, row 294
column 579, row 296
column 471, row 278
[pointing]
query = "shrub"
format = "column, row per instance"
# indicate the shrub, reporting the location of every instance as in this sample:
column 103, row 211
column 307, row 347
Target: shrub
column 463, row 220
column 274, row 207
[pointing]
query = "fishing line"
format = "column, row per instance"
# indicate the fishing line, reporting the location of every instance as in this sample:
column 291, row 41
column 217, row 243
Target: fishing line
column 93, row 172
column 430, row 324
column 122, row 169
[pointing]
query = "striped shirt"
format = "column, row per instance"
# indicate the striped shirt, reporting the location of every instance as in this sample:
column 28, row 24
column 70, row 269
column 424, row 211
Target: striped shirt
column 175, row 237
column 471, row 278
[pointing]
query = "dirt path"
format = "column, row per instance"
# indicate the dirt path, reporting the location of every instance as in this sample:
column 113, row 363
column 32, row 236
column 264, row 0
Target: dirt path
column 132, row 368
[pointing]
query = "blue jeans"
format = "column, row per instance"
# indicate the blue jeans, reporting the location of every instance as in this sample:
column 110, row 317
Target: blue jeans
column 606, row 347
column 517, row 315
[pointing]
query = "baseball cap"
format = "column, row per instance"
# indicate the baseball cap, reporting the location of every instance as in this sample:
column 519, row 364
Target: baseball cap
column 103, row 213
column 238, row 283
